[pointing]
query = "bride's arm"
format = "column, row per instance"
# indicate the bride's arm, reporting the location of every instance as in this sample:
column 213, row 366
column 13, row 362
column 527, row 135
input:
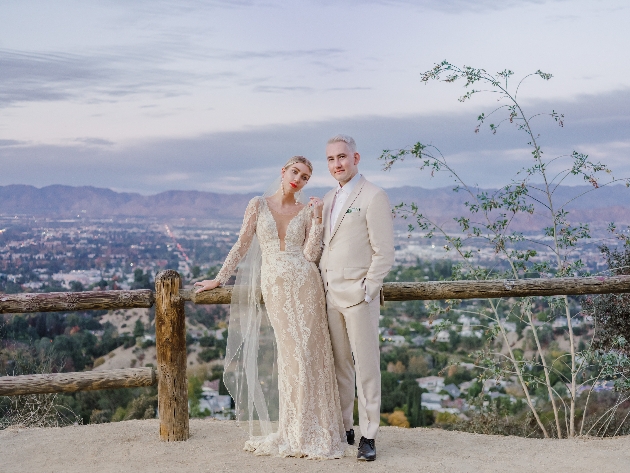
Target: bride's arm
column 314, row 232
column 238, row 251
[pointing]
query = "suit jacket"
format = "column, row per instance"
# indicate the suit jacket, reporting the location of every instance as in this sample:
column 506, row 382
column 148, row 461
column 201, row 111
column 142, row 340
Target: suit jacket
column 359, row 252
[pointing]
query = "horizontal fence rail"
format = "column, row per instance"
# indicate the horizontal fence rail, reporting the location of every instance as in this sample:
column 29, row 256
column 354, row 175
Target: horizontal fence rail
column 436, row 290
column 70, row 301
column 220, row 295
column 468, row 289
column 392, row 291
column 77, row 381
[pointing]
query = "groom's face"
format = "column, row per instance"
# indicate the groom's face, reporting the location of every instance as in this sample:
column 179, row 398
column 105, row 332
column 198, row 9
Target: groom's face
column 342, row 164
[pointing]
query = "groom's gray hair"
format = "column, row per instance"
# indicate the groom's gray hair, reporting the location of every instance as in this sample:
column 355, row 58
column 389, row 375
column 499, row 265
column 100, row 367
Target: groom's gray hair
column 345, row 139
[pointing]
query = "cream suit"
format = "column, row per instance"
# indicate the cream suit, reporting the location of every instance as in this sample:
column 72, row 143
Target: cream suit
column 358, row 253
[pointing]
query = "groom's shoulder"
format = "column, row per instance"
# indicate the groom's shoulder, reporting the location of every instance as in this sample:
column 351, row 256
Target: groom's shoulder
column 372, row 189
column 371, row 186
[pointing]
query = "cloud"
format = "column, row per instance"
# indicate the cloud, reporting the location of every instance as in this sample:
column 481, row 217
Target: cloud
column 280, row 89
column 448, row 6
column 94, row 77
column 455, row 6
column 95, row 141
column 117, row 73
column 29, row 77
column 247, row 160
column 349, row 88
column 284, row 54
column 4, row 143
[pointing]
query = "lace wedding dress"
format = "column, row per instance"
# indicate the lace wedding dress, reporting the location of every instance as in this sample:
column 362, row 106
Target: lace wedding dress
column 309, row 423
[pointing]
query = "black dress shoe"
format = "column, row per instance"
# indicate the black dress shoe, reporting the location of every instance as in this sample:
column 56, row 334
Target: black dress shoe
column 367, row 450
column 350, row 436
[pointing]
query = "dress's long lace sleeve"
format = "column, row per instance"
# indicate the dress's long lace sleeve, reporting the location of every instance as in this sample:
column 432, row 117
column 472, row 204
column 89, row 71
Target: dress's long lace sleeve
column 238, row 251
column 313, row 244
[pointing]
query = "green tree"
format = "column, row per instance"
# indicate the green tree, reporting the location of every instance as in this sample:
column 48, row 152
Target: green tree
column 207, row 341
column 138, row 329
column 213, row 271
column 76, row 286
column 195, row 384
column 142, row 280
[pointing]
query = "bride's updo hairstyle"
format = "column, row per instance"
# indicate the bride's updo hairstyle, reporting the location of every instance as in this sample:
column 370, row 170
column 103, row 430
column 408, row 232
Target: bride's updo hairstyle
column 298, row 159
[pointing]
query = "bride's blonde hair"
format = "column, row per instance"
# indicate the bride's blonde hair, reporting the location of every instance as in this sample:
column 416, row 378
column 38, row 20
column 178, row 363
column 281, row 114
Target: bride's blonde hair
column 298, row 159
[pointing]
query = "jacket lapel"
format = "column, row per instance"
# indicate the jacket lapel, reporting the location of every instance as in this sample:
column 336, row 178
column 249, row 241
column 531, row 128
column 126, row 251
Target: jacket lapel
column 328, row 200
column 351, row 198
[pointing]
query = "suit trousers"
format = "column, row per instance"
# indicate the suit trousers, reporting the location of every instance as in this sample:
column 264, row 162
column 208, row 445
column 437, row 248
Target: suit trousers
column 355, row 343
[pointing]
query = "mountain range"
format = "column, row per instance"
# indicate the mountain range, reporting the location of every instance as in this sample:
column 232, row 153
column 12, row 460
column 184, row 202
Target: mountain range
column 600, row 207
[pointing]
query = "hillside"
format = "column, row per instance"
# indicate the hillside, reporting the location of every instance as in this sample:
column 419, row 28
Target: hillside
column 218, row 446
column 93, row 202
column 130, row 357
column 600, row 207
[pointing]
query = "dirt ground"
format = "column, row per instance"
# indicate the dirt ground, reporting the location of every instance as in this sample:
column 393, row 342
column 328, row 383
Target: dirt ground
column 216, row 446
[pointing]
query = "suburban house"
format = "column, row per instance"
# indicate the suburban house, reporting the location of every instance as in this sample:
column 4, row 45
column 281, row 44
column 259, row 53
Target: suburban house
column 431, row 383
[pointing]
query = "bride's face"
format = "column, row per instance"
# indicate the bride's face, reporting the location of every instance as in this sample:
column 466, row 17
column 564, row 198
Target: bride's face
column 295, row 177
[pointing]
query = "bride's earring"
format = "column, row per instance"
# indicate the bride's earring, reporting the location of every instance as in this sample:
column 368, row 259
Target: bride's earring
column 297, row 196
column 282, row 188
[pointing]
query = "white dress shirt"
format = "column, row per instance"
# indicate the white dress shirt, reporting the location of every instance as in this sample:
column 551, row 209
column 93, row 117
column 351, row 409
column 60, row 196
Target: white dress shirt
column 342, row 194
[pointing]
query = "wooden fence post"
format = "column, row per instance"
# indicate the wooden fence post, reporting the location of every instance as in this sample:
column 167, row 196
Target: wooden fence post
column 170, row 338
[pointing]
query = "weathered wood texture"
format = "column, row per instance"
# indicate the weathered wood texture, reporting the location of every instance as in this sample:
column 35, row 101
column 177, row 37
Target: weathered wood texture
column 72, row 382
column 504, row 288
column 220, row 295
column 437, row 290
column 170, row 338
column 88, row 300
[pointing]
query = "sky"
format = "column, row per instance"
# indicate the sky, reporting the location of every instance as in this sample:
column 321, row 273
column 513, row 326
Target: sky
column 148, row 96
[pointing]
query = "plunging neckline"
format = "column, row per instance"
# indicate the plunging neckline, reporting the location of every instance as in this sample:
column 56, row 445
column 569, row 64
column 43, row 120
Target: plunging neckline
column 280, row 242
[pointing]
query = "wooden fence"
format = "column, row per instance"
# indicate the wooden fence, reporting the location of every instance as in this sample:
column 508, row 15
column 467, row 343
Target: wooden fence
column 170, row 340
column 170, row 330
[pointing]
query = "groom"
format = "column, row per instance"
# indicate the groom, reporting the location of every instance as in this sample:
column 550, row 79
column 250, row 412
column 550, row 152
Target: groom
column 358, row 253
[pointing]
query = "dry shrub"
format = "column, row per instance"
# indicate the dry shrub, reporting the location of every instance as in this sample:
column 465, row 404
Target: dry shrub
column 397, row 367
column 442, row 418
column 607, row 414
column 100, row 416
column 398, row 419
column 34, row 410
column 515, row 390
column 612, row 311
column 142, row 407
column 492, row 423
column 418, row 365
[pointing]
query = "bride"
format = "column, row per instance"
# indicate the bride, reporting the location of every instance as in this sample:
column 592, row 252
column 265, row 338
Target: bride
column 279, row 365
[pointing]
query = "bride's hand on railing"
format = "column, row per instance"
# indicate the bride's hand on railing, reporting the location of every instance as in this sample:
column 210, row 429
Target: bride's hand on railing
column 206, row 285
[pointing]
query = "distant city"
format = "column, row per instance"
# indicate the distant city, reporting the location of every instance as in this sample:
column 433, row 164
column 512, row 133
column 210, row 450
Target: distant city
column 47, row 254
column 83, row 254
